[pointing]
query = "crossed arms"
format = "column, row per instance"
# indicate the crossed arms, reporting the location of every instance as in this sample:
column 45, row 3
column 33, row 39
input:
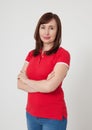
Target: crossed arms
column 45, row 86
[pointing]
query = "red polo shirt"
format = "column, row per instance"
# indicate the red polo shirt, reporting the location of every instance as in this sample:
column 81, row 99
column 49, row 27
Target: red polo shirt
column 46, row 105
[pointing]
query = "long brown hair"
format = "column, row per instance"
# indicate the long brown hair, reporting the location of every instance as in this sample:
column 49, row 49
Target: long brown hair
column 45, row 18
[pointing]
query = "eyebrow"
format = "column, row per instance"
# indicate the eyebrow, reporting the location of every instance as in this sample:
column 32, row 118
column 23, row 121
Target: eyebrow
column 49, row 25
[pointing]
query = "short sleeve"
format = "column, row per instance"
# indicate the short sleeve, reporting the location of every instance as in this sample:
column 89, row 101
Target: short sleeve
column 63, row 56
column 29, row 56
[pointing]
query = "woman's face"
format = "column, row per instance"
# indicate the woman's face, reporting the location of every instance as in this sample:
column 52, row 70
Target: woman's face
column 48, row 31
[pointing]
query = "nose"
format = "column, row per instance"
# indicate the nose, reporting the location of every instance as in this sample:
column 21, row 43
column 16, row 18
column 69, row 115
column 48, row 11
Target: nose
column 47, row 31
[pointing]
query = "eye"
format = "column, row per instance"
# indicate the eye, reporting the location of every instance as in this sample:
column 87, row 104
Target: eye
column 42, row 27
column 51, row 27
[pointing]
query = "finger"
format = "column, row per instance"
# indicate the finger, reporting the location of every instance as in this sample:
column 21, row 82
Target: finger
column 20, row 76
column 52, row 72
column 21, row 71
column 50, row 76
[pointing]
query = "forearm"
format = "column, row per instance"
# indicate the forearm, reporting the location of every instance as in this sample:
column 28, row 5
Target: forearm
column 24, row 87
column 47, row 85
column 40, row 86
column 53, row 80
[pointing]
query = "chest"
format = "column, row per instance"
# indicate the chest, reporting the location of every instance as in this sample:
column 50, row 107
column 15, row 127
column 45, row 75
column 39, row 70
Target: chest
column 40, row 66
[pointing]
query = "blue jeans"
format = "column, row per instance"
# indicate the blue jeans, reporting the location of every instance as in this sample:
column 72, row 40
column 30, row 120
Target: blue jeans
column 35, row 123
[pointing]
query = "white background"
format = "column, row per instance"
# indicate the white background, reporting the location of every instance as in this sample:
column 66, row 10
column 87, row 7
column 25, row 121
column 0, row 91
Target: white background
column 18, row 19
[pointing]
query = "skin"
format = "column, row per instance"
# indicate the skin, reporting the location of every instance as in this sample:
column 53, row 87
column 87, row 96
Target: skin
column 47, row 34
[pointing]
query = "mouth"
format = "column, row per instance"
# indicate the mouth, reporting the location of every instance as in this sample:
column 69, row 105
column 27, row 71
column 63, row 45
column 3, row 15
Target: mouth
column 46, row 38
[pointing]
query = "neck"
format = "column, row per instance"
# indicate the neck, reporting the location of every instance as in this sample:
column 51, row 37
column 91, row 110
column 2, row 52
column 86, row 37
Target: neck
column 47, row 47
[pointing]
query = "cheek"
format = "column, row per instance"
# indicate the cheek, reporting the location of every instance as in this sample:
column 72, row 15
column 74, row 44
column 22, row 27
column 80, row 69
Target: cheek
column 40, row 33
column 54, row 35
column 54, row 32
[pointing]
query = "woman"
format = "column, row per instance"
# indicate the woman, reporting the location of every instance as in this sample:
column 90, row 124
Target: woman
column 42, row 75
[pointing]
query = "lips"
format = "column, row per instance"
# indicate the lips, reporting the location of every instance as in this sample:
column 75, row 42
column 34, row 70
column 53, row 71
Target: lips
column 46, row 38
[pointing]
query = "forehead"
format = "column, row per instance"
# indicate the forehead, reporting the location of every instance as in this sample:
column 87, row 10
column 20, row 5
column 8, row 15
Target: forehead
column 52, row 22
